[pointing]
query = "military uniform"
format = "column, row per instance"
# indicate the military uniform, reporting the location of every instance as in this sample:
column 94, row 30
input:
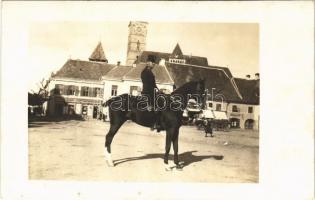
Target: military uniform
column 148, row 81
column 149, row 85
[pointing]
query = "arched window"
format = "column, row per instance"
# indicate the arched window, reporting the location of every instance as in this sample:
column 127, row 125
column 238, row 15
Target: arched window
column 249, row 124
column 234, row 108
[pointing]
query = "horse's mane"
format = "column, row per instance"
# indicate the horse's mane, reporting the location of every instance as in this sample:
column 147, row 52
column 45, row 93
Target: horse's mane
column 185, row 87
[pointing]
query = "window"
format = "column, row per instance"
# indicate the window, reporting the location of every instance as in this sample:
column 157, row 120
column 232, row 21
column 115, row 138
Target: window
column 234, row 109
column 85, row 91
column 58, row 89
column 114, row 90
column 218, row 107
column 98, row 92
column 101, row 93
column 134, row 90
column 250, row 109
column 71, row 90
column 92, row 92
column 210, row 105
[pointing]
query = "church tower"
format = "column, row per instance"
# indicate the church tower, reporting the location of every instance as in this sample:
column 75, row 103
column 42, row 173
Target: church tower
column 136, row 40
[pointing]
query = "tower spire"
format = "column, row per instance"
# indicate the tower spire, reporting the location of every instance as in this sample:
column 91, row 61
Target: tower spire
column 177, row 52
column 98, row 54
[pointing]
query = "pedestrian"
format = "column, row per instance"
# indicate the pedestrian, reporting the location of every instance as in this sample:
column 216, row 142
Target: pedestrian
column 208, row 128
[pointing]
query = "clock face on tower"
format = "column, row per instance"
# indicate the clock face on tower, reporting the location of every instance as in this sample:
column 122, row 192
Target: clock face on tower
column 138, row 30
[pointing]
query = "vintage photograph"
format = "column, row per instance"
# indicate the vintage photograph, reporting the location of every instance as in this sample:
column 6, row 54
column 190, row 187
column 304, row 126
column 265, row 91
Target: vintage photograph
column 144, row 101
column 157, row 100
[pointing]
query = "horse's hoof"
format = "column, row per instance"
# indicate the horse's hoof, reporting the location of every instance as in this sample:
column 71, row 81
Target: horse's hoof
column 168, row 167
column 110, row 163
column 179, row 168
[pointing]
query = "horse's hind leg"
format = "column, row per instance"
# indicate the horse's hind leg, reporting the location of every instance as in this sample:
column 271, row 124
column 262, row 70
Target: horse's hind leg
column 168, row 143
column 114, row 127
column 175, row 148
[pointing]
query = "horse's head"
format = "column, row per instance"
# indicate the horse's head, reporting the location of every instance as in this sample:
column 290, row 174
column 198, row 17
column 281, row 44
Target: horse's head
column 191, row 90
column 200, row 90
column 200, row 87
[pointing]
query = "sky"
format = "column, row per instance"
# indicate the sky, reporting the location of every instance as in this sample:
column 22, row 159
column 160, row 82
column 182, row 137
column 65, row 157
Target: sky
column 233, row 45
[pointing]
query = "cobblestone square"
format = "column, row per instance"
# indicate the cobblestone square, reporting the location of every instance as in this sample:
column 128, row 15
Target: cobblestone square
column 74, row 150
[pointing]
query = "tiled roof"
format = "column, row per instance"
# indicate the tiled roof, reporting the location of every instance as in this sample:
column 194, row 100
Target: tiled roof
column 98, row 54
column 214, row 78
column 192, row 60
column 160, row 72
column 117, row 73
column 249, row 90
column 225, row 69
column 80, row 69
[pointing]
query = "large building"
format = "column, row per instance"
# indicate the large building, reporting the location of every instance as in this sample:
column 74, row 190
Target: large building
column 81, row 86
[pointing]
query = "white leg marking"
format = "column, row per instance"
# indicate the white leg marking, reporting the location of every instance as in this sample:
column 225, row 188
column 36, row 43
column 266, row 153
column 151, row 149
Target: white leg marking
column 167, row 167
column 108, row 158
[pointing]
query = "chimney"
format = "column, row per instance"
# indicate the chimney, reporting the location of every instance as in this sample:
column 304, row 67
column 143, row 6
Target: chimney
column 247, row 76
column 118, row 63
column 257, row 76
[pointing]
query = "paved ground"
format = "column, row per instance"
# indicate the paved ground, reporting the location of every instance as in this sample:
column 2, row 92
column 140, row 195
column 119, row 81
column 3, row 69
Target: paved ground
column 73, row 150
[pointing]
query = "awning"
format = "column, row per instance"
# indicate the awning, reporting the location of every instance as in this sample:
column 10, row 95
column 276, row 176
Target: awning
column 220, row 115
column 194, row 110
column 208, row 114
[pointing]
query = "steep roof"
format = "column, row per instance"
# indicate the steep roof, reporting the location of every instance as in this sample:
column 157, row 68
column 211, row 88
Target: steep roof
column 249, row 90
column 160, row 72
column 214, row 78
column 117, row 73
column 225, row 69
column 80, row 69
column 98, row 54
column 177, row 52
column 192, row 60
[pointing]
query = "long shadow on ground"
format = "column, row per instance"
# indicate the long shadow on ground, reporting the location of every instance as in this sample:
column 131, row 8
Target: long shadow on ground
column 187, row 157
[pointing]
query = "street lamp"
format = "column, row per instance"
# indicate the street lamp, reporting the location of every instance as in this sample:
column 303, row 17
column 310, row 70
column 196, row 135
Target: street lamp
column 212, row 96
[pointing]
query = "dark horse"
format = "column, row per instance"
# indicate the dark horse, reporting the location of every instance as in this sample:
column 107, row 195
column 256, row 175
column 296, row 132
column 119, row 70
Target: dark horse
column 125, row 107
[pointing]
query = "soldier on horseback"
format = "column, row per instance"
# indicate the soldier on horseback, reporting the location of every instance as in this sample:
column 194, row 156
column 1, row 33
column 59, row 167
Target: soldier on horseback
column 149, row 89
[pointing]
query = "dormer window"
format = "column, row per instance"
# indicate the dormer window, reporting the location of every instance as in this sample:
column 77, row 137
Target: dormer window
column 177, row 61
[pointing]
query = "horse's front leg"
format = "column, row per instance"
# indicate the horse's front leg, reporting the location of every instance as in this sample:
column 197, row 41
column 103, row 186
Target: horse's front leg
column 167, row 149
column 109, row 138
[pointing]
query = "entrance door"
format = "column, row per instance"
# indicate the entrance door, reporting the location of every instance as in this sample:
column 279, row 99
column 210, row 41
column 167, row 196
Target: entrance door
column 71, row 110
column 59, row 109
column 249, row 124
column 84, row 110
column 95, row 112
column 235, row 123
